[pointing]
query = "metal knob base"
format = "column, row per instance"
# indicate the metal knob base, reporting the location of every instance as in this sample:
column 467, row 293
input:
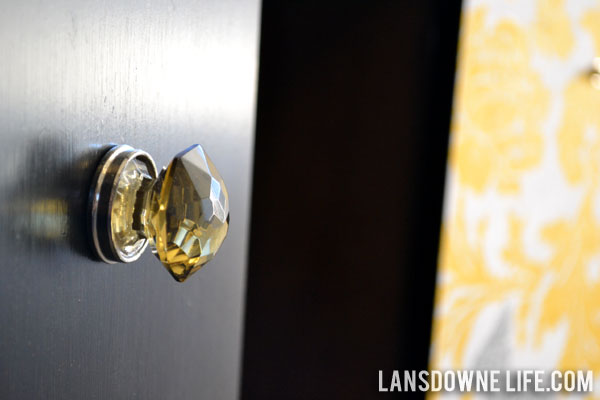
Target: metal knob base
column 109, row 176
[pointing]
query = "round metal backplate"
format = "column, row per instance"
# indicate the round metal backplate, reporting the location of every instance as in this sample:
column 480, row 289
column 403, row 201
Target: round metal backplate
column 102, row 194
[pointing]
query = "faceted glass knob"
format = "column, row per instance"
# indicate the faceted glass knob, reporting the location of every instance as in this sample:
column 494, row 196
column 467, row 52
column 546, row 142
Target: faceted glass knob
column 183, row 212
column 188, row 213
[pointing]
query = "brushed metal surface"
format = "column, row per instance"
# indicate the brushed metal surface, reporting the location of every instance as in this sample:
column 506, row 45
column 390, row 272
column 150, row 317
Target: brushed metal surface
column 159, row 76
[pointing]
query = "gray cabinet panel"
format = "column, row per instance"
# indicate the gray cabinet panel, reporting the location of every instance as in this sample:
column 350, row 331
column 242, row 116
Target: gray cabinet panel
column 157, row 75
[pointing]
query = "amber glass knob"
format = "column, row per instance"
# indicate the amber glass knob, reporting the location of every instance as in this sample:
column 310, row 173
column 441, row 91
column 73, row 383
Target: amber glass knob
column 183, row 212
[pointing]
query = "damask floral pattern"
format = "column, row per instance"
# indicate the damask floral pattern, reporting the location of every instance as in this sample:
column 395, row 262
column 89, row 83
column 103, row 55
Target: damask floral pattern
column 519, row 264
column 497, row 139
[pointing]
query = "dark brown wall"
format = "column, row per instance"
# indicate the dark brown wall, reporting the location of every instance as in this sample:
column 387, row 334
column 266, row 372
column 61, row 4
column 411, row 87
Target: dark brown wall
column 352, row 130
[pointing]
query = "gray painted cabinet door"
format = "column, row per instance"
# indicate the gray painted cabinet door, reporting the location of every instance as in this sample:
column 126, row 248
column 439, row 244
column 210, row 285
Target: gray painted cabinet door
column 157, row 75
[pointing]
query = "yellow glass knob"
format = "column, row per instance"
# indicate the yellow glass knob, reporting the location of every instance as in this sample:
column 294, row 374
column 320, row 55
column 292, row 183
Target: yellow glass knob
column 183, row 213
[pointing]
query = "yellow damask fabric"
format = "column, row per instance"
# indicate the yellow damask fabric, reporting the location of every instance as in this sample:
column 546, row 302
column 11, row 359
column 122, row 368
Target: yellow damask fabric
column 519, row 268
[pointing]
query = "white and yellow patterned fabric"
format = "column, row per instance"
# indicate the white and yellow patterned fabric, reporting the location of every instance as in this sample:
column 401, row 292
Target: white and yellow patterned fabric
column 519, row 269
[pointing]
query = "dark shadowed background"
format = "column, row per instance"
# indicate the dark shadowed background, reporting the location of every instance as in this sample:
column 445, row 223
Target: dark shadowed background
column 352, row 129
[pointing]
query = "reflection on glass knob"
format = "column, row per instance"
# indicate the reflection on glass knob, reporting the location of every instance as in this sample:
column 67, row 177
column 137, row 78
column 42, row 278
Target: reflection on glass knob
column 183, row 212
